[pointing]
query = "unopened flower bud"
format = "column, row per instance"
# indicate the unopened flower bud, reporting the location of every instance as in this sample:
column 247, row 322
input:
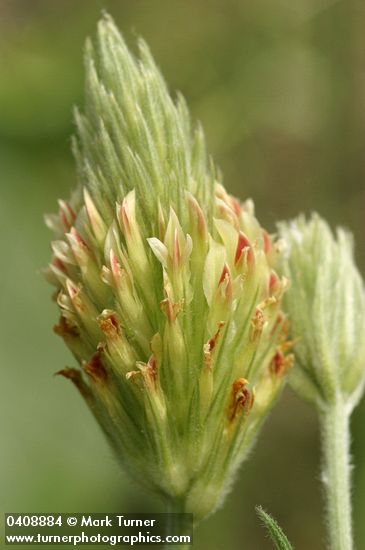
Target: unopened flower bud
column 326, row 307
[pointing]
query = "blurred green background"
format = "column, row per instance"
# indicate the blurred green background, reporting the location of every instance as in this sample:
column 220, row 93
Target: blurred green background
column 280, row 89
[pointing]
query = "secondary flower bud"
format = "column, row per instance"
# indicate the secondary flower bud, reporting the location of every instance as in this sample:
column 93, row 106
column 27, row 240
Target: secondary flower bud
column 326, row 308
column 167, row 293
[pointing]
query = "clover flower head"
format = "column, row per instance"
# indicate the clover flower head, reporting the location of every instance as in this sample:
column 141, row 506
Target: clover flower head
column 166, row 285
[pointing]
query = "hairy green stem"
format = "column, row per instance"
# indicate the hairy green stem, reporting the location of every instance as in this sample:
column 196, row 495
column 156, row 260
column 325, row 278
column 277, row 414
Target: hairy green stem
column 336, row 475
column 176, row 524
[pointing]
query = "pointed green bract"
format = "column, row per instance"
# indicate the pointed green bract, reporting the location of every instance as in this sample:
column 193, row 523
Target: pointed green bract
column 166, row 285
column 277, row 535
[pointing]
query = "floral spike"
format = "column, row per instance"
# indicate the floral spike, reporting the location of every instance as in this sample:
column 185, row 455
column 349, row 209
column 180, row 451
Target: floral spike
column 166, row 285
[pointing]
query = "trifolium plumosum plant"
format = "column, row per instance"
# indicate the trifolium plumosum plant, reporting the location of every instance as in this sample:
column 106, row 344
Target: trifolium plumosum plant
column 171, row 293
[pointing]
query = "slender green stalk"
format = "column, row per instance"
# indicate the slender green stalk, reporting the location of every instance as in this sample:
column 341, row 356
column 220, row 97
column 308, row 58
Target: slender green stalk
column 335, row 422
column 176, row 524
